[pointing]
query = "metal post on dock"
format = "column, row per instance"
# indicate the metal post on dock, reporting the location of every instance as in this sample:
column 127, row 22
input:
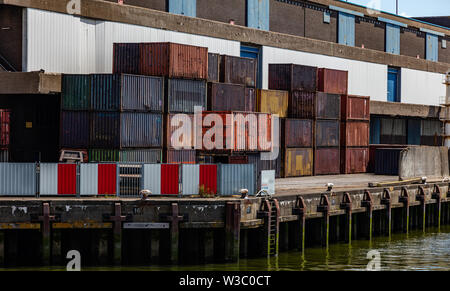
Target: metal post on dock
column 423, row 199
column 232, row 231
column 386, row 200
column 367, row 202
column 437, row 196
column 45, row 219
column 324, row 207
column 347, row 205
column 300, row 210
column 117, row 219
column 404, row 198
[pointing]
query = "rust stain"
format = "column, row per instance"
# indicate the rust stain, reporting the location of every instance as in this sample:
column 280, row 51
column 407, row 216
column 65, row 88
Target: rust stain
column 20, row 225
column 81, row 224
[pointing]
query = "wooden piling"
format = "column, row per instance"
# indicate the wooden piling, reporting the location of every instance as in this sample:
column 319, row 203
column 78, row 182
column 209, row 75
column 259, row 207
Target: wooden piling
column 232, row 231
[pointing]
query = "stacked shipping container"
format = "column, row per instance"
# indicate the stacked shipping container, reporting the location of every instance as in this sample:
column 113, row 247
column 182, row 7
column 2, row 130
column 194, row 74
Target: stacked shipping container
column 355, row 131
column 5, row 117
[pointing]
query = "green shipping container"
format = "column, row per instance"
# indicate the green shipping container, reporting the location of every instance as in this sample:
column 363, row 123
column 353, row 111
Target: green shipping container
column 99, row 155
column 75, row 92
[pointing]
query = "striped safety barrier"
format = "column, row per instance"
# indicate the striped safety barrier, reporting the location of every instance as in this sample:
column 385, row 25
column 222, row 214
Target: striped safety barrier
column 99, row 179
column 198, row 179
column 57, row 179
column 161, row 179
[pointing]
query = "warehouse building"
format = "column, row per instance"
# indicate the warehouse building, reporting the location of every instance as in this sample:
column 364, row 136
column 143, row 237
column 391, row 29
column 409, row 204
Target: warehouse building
column 399, row 62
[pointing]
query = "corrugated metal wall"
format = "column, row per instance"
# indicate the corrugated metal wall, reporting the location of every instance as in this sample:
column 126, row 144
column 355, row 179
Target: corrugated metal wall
column 48, row 179
column 418, row 87
column 151, row 178
column 233, row 178
column 141, row 130
column 190, row 179
column 17, row 179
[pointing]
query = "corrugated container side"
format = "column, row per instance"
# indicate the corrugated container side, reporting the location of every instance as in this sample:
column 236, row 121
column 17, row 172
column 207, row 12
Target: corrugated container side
column 328, row 106
column 180, row 128
column 387, row 161
column 372, row 150
column 238, row 70
column 141, row 130
column 107, row 179
column 208, row 178
column 105, row 92
column 354, row 160
column 297, row 162
column 126, row 58
column 290, row 77
column 142, row 93
column 149, row 156
column 170, row 179
column 263, row 165
column 204, row 159
column 5, row 128
column 74, row 129
column 184, row 95
column 272, row 101
column 230, row 97
column 237, row 159
column 75, row 92
column 327, row 133
column 301, row 104
column 296, row 133
column 213, row 67
column 103, row 155
column 332, row 81
column 105, row 130
column 233, row 178
column 190, row 179
column 173, row 60
column 179, row 157
column 393, row 131
column 355, row 107
column 67, row 179
column 327, row 161
column 4, row 156
column 355, row 133
column 17, row 179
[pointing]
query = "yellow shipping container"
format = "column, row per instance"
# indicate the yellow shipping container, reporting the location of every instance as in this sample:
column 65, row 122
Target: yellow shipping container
column 298, row 162
column 272, row 101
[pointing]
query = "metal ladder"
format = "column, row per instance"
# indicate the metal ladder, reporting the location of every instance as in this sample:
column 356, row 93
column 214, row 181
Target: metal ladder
column 273, row 231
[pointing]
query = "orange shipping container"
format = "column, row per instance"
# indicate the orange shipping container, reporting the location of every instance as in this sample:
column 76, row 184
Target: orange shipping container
column 355, row 133
column 297, row 162
column 272, row 101
column 354, row 160
column 355, row 107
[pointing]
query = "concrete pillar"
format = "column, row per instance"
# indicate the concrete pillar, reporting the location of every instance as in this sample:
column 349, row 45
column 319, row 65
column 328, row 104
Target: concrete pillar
column 232, row 231
column 154, row 245
column 405, row 219
column 46, row 218
column 438, row 213
column 56, row 247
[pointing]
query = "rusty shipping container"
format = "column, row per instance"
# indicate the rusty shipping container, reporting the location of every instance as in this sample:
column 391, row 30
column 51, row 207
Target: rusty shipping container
column 332, row 81
column 301, row 104
column 74, row 129
column 127, row 93
column 355, row 107
column 238, row 70
column 184, row 95
column 126, row 58
column 327, row 161
column 297, row 162
column 5, row 127
column 310, row 105
column 213, row 67
column 327, row 106
column 242, row 131
column 230, row 97
column 179, row 131
column 355, row 134
column 296, row 133
column 354, row 160
column 327, row 133
column 237, row 159
column 179, row 157
column 291, row 77
column 173, row 60
column 272, row 101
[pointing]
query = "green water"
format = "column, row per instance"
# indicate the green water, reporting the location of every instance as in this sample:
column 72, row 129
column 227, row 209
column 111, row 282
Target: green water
column 413, row 251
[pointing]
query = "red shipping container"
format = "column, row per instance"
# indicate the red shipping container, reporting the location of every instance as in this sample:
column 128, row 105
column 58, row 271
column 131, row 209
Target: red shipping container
column 355, row 107
column 5, row 115
column 327, row 161
column 173, row 60
column 296, row 133
column 332, row 81
column 107, row 179
column 208, row 178
column 169, row 179
column 179, row 157
column 67, row 179
column 355, row 133
column 354, row 160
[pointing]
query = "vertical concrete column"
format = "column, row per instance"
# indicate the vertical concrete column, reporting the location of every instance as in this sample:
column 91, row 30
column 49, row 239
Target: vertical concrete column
column 386, row 200
column 56, row 247
column 368, row 204
column 174, row 233
column 438, row 207
column 232, row 231
column 324, row 208
column 208, row 239
column 117, row 219
column 300, row 210
column 45, row 219
column 404, row 198
column 422, row 198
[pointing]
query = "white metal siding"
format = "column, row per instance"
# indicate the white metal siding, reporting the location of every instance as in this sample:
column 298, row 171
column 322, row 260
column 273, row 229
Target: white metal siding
column 48, row 179
column 63, row 43
column 419, row 87
column 88, row 179
column 364, row 78
column 190, row 179
column 151, row 178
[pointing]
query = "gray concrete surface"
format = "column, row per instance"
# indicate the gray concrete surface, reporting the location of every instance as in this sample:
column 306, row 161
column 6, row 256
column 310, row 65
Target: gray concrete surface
column 423, row 161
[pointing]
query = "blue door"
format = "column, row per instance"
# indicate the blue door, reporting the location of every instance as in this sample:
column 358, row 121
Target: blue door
column 258, row 14
column 254, row 53
column 375, row 130
column 392, row 39
column 414, row 129
column 346, row 29
column 393, row 94
column 432, row 47
column 183, row 7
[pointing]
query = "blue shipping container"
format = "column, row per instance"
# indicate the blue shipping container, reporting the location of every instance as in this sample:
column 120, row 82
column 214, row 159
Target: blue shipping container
column 234, row 177
column 74, row 129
